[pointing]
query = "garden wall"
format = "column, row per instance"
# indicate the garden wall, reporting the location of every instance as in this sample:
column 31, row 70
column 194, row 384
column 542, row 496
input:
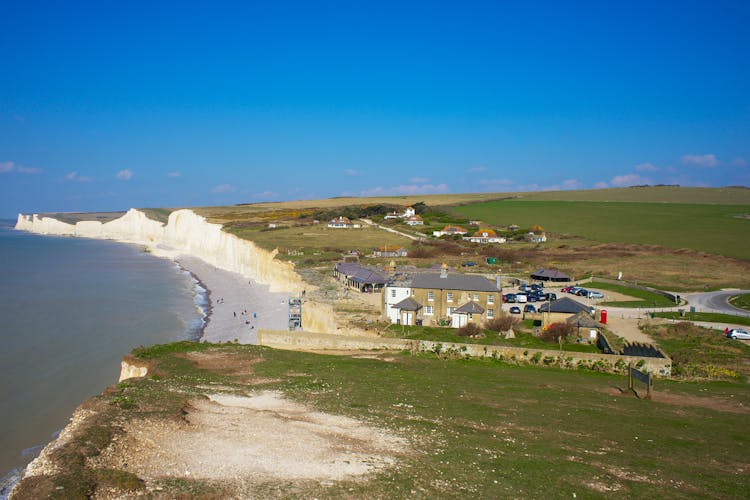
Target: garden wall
column 602, row 362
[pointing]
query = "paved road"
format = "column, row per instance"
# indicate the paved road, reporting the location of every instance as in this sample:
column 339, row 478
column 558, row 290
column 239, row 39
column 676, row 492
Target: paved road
column 716, row 302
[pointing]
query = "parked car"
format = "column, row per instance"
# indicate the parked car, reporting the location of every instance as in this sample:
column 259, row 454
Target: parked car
column 574, row 290
column 529, row 308
column 582, row 292
column 537, row 286
column 595, row 295
column 469, row 263
column 736, row 333
column 566, row 289
column 509, row 297
column 521, row 297
column 525, row 288
column 515, row 310
column 549, row 296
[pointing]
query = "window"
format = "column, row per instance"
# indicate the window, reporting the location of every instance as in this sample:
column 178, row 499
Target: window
column 476, row 297
column 449, row 297
column 430, row 295
column 428, row 311
column 393, row 293
column 450, row 311
column 490, row 298
column 490, row 313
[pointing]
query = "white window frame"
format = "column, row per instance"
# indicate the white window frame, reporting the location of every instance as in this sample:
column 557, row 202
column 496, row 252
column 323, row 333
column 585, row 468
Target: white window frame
column 431, row 296
column 490, row 313
column 429, row 311
column 449, row 297
column 393, row 293
column 490, row 298
column 476, row 297
column 450, row 311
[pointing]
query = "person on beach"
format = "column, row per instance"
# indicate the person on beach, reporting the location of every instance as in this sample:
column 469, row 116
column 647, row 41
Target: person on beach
column 235, row 313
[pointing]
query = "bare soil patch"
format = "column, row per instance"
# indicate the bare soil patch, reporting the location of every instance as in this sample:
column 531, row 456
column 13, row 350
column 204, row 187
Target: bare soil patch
column 726, row 405
column 253, row 438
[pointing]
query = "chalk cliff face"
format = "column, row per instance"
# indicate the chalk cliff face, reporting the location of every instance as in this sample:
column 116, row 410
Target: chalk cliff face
column 188, row 233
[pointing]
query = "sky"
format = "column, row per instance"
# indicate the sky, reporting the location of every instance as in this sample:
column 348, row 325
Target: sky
column 109, row 105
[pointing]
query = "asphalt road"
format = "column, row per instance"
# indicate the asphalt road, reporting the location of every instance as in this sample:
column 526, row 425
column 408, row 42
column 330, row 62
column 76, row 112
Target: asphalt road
column 716, row 302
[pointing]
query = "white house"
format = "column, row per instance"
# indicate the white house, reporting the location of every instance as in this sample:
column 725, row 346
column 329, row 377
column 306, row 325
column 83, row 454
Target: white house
column 485, row 236
column 342, row 223
column 392, row 295
column 414, row 220
column 450, row 231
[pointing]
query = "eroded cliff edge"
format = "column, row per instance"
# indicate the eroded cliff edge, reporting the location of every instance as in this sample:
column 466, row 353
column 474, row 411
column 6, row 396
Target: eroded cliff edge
column 188, row 233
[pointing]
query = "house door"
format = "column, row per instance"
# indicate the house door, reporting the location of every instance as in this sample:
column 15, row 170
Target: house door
column 407, row 318
column 458, row 320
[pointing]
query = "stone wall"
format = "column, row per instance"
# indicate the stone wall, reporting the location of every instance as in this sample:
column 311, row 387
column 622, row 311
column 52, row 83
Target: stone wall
column 322, row 341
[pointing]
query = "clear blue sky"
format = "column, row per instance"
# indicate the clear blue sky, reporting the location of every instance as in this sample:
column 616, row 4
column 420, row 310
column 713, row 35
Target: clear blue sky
column 106, row 105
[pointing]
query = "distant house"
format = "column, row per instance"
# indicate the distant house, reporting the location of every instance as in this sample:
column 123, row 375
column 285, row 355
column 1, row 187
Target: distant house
column 450, row 231
column 414, row 220
column 408, row 212
column 475, row 223
column 342, row 223
column 485, row 235
column 390, row 251
column 536, row 238
column 514, row 227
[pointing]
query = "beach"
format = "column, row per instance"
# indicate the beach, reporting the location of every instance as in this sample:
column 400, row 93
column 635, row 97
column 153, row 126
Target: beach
column 238, row 306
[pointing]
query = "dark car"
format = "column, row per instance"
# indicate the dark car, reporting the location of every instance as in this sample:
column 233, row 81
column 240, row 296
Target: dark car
column 515, row 310
column 532, row 297
column 469, row 263
column 509, row 297
column 529, row 308
column 582, row 292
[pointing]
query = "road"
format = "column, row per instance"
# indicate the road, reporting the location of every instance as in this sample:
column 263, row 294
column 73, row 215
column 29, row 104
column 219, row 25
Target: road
column 390, row 230
column 716, row 302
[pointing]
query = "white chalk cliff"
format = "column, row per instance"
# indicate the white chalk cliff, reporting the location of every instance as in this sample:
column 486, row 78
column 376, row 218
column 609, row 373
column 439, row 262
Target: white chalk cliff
column 188, row 233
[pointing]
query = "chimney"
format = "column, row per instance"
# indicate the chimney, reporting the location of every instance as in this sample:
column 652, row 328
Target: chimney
column 444, row 270
column 498, row 283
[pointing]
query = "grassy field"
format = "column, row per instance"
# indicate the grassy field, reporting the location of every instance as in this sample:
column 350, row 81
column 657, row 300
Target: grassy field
column 741, row 301
column 719, row 229
column 318, row 242
column 476, row 429
column 701, row 352
column 706, row 317
column 647, row 299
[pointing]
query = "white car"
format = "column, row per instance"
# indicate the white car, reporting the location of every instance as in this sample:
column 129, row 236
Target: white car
column 595, row 295
column 736, row 333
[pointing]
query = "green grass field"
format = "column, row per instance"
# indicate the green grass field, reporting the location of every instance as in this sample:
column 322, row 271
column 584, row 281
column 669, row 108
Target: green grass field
column 741, row 301
column 706, row 317
column 476, row 428
column 720, row 229
column 647, row 299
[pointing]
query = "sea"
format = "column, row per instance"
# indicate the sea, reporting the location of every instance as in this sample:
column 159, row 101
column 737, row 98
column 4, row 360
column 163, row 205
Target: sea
column 70, row 308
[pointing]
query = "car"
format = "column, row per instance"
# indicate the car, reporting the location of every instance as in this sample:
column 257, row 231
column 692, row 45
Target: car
column 582, row 292
column 566, row 289
column 525, row 288
column 537, row 286
column 521, row 297
column 595, row 295
column 509, row 297
column 469, row 263
column 529, row 308
column 738, row 334
column 532, row 298
column 515, row 310
column 574, row 290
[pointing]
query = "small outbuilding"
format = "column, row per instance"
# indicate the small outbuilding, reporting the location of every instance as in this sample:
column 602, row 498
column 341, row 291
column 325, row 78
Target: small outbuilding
column 550, row 275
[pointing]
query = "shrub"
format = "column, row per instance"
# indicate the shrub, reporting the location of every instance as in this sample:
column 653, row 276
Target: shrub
column 469, row 330
column 555, row 331
column 502, row 323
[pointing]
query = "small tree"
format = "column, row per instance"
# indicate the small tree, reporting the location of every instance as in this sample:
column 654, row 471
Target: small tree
column 556, row 331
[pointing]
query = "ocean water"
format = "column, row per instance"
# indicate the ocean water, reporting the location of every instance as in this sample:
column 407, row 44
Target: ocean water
column 70, row 308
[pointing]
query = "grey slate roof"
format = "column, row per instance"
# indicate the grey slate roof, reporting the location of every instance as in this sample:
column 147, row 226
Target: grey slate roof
column 564, row 305
column 584, row 320
column 408, row 304
column 469, row 308
column 454, row 281
column 550, row 274
column 360, row 274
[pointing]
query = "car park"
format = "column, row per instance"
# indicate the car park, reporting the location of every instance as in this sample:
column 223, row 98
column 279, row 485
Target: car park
column 515, row 310
column 738, row 334
column 529, row 308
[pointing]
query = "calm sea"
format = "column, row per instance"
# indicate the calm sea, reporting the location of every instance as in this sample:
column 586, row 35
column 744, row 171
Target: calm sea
column 69, row 309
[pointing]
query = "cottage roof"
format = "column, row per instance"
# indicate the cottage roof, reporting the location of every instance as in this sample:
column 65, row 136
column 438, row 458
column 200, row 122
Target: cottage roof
column 454, row 229
column 485, row 233
column 360, row 273
column 387, row 248
column 584, row 320
column 469, row 308
column 408, row 304
column 341, row 220
column 564, row 305
column 550, row 274
column 454, row 281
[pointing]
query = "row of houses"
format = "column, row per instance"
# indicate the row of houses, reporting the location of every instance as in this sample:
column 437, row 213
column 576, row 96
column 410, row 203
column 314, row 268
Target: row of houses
column 484, row 235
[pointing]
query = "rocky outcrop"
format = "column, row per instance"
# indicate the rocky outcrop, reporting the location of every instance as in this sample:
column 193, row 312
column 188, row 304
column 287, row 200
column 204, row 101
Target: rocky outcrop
column 188, row 233
column 132, row 367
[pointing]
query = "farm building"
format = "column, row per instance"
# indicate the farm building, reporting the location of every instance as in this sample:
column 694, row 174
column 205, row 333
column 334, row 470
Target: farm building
column 363, row 278
column 550, row 275
column 444, row 298
column 485, row 235
column 390, row 251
